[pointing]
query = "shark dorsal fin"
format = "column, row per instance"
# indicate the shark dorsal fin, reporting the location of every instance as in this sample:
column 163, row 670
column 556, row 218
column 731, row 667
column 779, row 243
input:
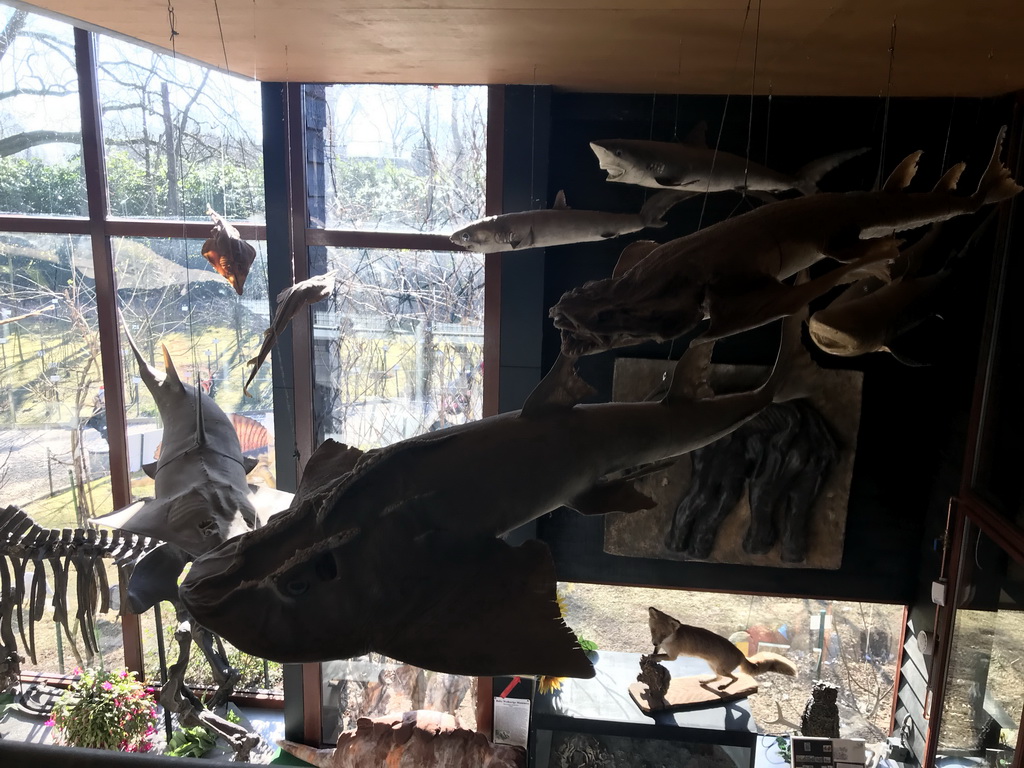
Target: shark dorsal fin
column 560, row 201
column 949, row 180
column 249, row 464
column 902, row 174
column 150, row 470
column 560, row 388
column 632, row 255
column 698, row 135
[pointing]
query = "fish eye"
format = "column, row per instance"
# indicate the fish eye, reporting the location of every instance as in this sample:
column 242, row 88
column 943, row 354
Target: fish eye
column 618, row 153
column 296, row 587
column 465, row 236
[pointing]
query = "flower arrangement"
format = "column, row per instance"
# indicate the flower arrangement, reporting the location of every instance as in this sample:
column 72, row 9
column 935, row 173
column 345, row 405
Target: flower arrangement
column 105, row 710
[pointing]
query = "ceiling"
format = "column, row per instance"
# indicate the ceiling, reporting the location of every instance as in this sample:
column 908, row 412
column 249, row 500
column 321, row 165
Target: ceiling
column 786, row 47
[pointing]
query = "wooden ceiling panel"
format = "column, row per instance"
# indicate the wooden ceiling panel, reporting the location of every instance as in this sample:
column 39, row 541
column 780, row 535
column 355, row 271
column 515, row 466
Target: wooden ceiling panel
column 804, row 47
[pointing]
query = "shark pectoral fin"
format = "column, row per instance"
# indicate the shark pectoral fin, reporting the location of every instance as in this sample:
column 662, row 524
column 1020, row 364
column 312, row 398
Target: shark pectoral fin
column 611, row 496
column 155, row 577
column 122, row 518
column 150, row 469
column 632, row 255
column 481, row 607
column 561, row 388
column 674, row 181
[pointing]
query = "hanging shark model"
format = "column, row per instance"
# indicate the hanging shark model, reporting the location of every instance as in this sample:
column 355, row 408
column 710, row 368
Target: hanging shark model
column 398, row 550
column 875, row 315
column 697, row 168
column 731, row 272
column 560, row 225
column 201, row 496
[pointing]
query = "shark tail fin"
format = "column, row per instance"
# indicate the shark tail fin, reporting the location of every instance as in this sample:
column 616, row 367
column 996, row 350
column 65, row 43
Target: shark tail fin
column 996, row 184
column 793, row 375
column 807, row 178
column 659, row 204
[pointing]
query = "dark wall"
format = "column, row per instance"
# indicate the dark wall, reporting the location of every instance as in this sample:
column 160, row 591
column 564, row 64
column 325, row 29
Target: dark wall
column 913, row 419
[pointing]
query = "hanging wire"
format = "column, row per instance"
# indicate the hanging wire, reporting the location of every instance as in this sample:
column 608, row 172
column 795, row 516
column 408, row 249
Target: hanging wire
column 174, row 31
column 767, row 123
column 220, row 28
column 533, row 140
column 721, row 128
column 885, row 112
column 949, row 132
column 753, row 80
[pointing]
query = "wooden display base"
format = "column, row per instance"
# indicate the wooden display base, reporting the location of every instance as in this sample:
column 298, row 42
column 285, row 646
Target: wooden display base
column 687, row 692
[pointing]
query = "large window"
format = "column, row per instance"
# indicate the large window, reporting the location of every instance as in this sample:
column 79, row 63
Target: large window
column 179, row 140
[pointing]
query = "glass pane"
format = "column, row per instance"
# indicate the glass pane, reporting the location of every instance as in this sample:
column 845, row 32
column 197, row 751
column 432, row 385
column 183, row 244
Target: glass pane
column 54, row 461
column 860, row 642
column 402, row 158
column 171, row 296
column 41, row 168
column 399, row 347
column 981, row 709
column 179, row 137
column 397, row 353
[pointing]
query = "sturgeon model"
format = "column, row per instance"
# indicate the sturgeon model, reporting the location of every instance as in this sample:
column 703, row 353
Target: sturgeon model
column 560, row 225
column 398, row 551
column 693, row 166
column 731, row 272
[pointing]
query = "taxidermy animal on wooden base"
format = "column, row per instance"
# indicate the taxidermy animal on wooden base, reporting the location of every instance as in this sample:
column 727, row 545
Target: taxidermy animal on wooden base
column 398, row 551
column 411, row 740
column 731, row 272
column 673, row 639
column 560, row 225
column 692, row 165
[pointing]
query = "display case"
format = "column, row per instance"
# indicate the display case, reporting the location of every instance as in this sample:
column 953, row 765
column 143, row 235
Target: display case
column 597, row 720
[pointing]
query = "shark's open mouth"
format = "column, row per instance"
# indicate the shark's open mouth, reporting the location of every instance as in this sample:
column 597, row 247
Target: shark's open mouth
column 614, row 171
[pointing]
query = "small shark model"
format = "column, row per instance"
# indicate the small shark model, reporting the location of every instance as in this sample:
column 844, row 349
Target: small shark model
column 874, row 315
column 398, row 551
column 693, row 166
column 731, row 272
column 560, row 225
column 289, row 302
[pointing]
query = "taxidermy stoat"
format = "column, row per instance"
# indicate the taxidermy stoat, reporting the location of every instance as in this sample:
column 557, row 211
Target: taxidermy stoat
column 672, row 639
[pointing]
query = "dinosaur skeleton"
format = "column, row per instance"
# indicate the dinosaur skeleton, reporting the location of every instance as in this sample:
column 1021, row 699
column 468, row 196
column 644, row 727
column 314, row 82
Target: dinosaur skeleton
column 23, row 543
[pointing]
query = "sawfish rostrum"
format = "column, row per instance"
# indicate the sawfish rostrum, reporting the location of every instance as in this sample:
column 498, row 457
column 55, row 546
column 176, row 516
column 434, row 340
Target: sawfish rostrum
column 398, row 551
column 560, row 225
column 731, row 272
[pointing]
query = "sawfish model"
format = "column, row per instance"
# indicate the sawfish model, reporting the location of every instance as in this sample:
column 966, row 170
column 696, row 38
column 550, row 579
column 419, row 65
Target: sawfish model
column 691, row 165
column 731, row 272
column 397, row 550
column 560, row 225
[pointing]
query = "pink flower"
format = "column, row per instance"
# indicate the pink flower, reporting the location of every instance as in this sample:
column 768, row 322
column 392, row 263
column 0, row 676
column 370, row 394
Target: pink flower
column 106, row 686
column 124, row 673
column 50, row 722
column 76, row 671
